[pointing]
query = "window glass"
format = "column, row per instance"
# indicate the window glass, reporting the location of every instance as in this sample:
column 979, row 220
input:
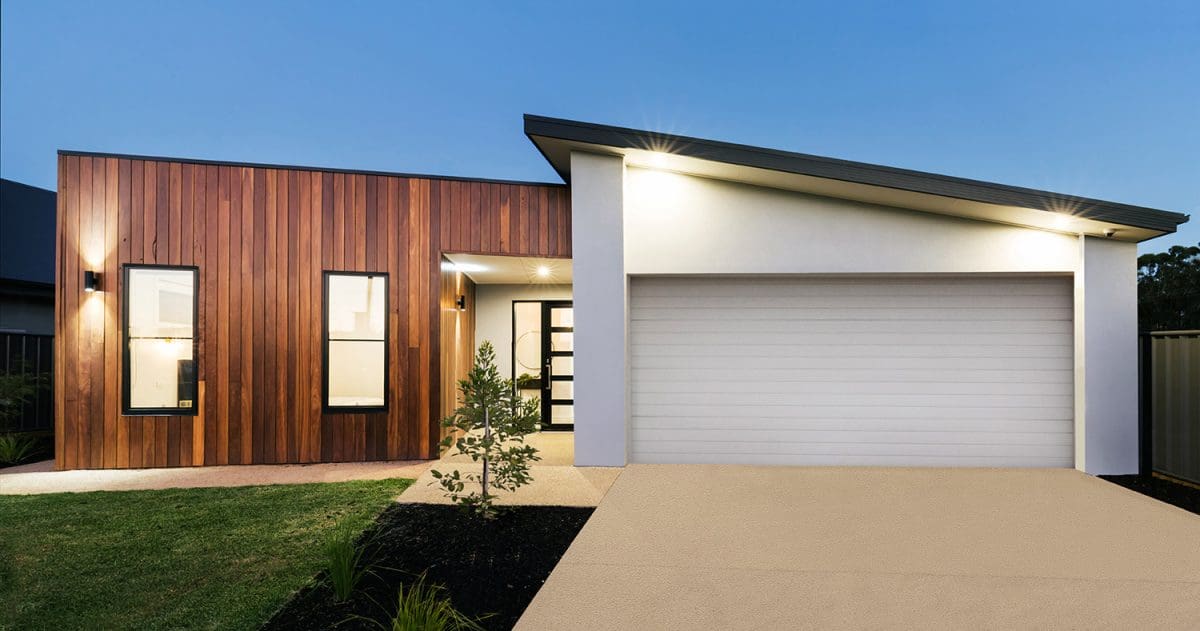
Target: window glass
column 356, row 344
column 160, row 371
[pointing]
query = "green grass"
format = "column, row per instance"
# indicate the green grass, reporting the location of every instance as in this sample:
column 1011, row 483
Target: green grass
column 221, row 558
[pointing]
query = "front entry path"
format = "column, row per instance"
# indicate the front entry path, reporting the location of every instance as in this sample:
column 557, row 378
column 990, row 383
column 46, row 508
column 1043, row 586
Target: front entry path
column 738, row 547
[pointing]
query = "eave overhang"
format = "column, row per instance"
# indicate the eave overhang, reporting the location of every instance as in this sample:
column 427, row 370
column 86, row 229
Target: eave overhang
column 875, row 184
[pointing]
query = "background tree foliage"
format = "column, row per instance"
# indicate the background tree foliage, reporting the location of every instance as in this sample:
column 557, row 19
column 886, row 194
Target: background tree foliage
column 1169, row 289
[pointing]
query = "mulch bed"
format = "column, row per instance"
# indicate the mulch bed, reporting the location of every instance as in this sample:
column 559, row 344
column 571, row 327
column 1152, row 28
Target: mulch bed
column 1184, row 497
column 486, row 567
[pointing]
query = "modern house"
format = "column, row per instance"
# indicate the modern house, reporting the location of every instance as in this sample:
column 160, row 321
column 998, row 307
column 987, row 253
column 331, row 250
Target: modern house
column 710, row 302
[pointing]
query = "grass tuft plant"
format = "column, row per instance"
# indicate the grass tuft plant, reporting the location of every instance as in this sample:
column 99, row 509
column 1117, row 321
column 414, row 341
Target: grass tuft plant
column 422, row 607
column 344, row 561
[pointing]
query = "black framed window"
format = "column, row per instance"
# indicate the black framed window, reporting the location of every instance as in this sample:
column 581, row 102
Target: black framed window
column 159, row 326
column 355, row 342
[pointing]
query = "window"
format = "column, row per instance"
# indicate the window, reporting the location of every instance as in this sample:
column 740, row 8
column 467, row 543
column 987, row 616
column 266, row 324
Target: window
column 160, row 340
column 356, row 357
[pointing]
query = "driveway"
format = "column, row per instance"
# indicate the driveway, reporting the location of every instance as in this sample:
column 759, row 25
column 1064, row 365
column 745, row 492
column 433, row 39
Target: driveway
column 736, row 547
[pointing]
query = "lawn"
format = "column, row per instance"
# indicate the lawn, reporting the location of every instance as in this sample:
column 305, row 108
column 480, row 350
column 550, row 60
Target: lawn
column 219, row 558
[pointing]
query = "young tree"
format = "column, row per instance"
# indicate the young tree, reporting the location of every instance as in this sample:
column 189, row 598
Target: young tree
column 490, row 427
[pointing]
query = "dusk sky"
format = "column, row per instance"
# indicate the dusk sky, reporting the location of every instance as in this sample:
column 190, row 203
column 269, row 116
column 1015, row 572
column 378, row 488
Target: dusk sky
column 1089, row 98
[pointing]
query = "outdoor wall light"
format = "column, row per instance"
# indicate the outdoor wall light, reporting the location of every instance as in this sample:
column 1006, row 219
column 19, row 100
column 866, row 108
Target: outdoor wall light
column 543, row 271
column 461, row 303
column 91, row 281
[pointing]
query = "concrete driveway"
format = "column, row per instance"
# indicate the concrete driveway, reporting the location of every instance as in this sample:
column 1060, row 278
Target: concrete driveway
column 733, row 547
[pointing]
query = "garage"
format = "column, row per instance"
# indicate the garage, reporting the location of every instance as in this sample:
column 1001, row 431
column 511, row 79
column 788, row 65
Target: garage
column 934, row 370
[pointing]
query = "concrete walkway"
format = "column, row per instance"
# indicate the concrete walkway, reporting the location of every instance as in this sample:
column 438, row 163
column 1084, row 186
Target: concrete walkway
column 731, row 547
column 555, row 481
column 41, row 478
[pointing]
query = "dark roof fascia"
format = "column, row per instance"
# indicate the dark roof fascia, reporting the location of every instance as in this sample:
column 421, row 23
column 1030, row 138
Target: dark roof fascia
column 847, row 171
column 296, row 167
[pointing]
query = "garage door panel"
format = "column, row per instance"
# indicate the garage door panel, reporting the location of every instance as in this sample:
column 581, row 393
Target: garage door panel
column 1014, row 387
column 855, row 313
column 753, row 337
column 830, row 300
column 766, row 423
column 963, row 371
column 1041, row 453
column 856, row 437
column 643, row 410
column 741, row 287
column 653, row 352
column 652, row 364
column 848, row 327
column 872, row 399
column 705, row 378
column 845, row 460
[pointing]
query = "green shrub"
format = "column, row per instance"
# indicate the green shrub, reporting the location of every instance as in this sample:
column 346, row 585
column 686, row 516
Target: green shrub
column 422, row 607
column 343, row 561
column 17, row 448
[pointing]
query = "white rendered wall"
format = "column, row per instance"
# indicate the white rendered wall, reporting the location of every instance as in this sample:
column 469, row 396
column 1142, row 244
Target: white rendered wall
column 601, row 309
column 1108, row 425
column 493, row 315
column 679, row 224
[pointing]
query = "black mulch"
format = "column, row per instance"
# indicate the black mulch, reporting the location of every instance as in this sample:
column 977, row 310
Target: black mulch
column 486, row 567
column 1184, row 497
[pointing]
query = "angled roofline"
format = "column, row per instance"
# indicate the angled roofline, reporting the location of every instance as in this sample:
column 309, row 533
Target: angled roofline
column 295, row 167
column 843, row 170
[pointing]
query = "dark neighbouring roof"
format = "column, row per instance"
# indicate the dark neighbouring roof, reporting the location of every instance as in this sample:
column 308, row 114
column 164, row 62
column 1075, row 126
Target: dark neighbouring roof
column 27, row 216
column 541, row 127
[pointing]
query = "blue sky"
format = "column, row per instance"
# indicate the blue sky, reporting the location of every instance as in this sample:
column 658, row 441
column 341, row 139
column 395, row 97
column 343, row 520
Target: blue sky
column 1091, row 98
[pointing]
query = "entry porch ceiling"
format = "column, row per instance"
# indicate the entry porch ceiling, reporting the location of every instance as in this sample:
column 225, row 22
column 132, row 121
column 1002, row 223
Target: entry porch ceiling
column 887, row 186
column 510, row 270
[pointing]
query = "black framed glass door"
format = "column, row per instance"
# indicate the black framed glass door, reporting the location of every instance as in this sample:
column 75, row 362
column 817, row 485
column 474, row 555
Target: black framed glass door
column 558, row 365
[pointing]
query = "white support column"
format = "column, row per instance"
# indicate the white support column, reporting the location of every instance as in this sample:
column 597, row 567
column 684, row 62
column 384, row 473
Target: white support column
column 1107, row 325
column 601, row 309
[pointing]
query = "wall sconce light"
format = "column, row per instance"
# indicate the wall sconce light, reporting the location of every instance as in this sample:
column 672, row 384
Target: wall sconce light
column 461, row 303
column 91, row 281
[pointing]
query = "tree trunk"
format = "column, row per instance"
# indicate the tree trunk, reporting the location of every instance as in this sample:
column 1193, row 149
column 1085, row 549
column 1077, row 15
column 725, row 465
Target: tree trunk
column 487, row 433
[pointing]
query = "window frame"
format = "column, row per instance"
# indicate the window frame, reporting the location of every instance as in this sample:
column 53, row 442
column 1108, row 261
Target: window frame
column 326, row 408
column 127, row 408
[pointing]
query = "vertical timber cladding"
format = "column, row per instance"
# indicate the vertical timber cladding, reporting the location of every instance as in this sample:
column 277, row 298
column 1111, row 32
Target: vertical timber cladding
column 261, row 237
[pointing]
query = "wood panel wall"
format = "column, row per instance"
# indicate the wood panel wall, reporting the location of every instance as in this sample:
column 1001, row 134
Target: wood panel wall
column 457, row 338
column 261, row 237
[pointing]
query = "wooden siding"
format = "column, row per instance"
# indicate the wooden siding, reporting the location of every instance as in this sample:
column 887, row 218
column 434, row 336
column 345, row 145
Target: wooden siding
column 261, row 236
column 458, row 338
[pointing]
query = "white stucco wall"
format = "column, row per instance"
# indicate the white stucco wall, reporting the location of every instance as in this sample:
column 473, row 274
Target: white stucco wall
column 493, row 315
column 601, row 293
column 1108, row 423
column 655, row 222
column 678, row 224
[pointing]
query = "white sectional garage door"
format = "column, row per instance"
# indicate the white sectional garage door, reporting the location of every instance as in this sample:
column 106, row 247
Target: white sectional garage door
column 913, row 371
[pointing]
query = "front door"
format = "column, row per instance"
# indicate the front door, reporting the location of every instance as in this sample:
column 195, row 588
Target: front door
column 558, row 365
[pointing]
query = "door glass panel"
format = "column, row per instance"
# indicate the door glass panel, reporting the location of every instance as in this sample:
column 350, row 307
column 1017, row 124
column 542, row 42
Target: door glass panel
column 562, row 389
column 562, row 414
column 562, row 366
column 562, row 316
column 527, row 339
column 562, row 341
